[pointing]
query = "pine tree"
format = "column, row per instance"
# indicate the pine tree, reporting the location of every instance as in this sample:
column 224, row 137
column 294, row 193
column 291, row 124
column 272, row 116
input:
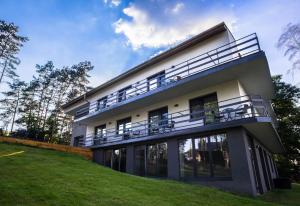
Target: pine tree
column 10, row 44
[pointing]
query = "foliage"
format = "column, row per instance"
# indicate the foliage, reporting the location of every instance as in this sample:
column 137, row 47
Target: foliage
column 46, row 177
column 286, row 106
column 11, row 101
column 290, row 42
column 10, row 44
column 38, row 104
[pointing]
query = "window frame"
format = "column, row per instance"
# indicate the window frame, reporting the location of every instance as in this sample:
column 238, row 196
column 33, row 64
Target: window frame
column 159, row 77
column 99, row 101
column 122, row 96
column 123, row 121
column 212, row 175
column 202, row 99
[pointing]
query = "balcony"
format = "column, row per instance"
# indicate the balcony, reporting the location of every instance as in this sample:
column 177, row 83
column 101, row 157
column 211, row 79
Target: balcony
column 216, row 114
column 235, row 50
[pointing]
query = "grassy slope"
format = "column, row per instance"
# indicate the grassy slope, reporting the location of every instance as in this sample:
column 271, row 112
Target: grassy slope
column 284, row 197
column 45, row 177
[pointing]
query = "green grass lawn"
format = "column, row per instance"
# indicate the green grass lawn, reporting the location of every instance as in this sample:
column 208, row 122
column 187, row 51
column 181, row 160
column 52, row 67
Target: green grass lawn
column 32, row 176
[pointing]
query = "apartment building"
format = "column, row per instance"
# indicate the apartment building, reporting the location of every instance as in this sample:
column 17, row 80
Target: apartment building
column 198, row 112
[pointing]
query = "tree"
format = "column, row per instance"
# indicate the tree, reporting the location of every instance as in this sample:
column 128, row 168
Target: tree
column 11, row 101
column 286, row 107
column 41, row 100
column 10, row 44
column 290, row 42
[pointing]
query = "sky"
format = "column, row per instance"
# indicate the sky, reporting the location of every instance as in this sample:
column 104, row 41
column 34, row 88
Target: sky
column 116, row 35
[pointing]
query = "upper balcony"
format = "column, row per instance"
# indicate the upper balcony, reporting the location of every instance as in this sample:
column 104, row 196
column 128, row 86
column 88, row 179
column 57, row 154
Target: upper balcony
column 170, row 77
column 240, row 111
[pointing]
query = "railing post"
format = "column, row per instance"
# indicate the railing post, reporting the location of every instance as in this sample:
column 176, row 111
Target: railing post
column 257, row 41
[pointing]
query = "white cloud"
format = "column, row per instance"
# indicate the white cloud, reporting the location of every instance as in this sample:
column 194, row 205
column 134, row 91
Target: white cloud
column 144, row 31
column 112, row 3
column 178, row 7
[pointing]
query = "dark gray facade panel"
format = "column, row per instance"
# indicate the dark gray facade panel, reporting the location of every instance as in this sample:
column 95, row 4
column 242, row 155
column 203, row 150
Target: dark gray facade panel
column 173, row 159
column 241, row 168
column 78, row 130
column 98, row 156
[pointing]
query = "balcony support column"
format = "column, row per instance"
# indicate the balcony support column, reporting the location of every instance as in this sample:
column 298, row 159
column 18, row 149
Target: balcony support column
column 173, row 159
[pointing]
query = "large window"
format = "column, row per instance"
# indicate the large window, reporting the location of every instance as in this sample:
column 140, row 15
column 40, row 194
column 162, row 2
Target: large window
column 124, row 126
column 116, row 159
column 204, row 108
column 101, row 103
column 100, row 131
column 107, row 158
column 220, row 155
column 156, row 81
column 140, row 160
column 123, row 94
column 158, row 119
column 204, row 157
column 186, row 158
column 151, row 160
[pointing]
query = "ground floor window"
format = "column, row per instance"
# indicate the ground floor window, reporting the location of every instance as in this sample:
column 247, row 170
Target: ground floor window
column 206, row 156
column 115, row 159
column 151, row 160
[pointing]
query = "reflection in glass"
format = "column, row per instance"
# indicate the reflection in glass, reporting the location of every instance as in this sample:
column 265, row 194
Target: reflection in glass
column 186, row 158
column 107, row 158
column 140, row 160
column 116, row 159
column 202, row 157
column 123, row 160
column 151, row 160
column 220, row 155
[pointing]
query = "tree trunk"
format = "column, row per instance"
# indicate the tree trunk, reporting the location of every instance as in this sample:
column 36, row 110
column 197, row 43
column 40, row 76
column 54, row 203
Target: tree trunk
column 15, row 112
column 3, row 71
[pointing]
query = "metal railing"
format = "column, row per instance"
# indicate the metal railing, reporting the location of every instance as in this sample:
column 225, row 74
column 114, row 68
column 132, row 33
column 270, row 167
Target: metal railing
column 214, row 113
column 226, row 53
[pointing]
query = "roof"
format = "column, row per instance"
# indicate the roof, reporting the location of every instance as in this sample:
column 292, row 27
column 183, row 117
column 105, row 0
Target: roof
column 221, row 27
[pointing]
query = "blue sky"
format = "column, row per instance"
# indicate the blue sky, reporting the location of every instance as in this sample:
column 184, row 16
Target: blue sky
column 116, row 35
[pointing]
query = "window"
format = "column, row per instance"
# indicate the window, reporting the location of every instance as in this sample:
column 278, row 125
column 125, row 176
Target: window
column 151, row 160
column 204, row 108
column 204, row 157
column 186, row 158
column 220, row 155
column 116, row 159
column 107, row 158
column 156, row 80
column 124, row 125
column 101, row 103
column 140, row 154
column 123, row 94
column 157, row 119
column 100, row 131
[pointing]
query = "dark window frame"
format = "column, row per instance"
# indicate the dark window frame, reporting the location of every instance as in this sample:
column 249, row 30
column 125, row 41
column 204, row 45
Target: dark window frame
column 102, row 126
column 164, row 111
column 122, row 93
column 160, row 77
column 100, row 100
column 201, row 111
column 123, row 121
column 212, row 175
